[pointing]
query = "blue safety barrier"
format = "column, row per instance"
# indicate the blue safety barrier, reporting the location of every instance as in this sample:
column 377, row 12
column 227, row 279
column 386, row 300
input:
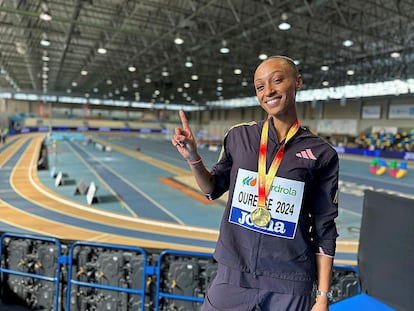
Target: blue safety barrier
column 159, row 293
column 54, row 279
column 71, row 281
column 98, row 275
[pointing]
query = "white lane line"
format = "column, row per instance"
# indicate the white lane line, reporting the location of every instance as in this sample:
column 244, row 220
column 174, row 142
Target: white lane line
column 149, row 198
column 114, row 215
column 103, row 182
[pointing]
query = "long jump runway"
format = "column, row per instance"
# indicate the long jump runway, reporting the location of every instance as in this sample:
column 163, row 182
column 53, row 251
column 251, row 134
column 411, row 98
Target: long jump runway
column 146, row 195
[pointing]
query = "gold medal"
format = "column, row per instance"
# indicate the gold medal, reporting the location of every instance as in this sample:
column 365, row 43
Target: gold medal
column 260, row 216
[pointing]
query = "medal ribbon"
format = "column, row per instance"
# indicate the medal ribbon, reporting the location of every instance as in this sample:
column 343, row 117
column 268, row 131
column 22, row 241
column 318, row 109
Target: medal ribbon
column 265, row 181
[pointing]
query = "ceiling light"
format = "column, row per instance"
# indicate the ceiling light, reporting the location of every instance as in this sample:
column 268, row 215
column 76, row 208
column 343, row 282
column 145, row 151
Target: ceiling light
column 178, row 40
column 348, row 43
column 45, row 68
column 297, row 62
column 109, row 81
column 194, row 77
column 165, row 72
column 117, row 92
column 350, row 72
column 325, row 83
column 224, row 49
column 179, row 89
column 324, row 68
column 244, row 82
column 263, row 56
column 237, row 71
column 200, row 92
column 219, row 80
column 84, row 73
column 21, row 48
column 45, row 42
column 68, row 91
column 147, row 79
column 135, row 84
column 101, row 50
column 74, row 84
column 284, row 26
column 95, row 90
column 132, row 68
column 45, row 58
column 45, row 16
column 125, row 88
column 219, row 88
column 395, row 54
column 188, row 63
column 186, row 85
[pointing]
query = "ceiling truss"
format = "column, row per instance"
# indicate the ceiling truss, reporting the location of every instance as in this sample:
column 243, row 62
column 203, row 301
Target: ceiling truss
column 141, row 34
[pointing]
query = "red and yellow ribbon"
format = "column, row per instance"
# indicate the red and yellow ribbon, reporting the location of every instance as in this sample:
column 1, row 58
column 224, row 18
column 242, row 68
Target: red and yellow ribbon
column 265, row 181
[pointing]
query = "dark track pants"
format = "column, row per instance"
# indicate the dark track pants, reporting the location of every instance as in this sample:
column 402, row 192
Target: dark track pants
column 227, row 297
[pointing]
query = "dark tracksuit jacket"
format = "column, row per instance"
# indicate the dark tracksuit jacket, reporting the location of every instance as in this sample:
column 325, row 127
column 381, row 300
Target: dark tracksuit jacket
column 253, row 259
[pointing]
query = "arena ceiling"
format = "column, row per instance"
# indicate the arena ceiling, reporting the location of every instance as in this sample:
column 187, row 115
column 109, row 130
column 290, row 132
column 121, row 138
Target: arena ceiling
column 354, row 40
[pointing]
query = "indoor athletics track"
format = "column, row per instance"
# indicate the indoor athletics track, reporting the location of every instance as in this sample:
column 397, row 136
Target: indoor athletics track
column 145, row 195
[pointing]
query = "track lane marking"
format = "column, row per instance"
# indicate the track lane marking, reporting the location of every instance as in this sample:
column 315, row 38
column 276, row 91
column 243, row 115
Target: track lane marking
column 25, row 175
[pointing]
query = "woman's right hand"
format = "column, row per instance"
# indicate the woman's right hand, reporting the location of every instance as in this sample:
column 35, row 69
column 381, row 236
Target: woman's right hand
column 184, row 140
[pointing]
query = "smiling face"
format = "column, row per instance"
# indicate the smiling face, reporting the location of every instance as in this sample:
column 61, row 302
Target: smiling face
column 276, row 82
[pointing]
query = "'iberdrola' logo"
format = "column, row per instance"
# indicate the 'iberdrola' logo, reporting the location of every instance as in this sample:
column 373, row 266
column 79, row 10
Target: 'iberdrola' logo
column 249, row 181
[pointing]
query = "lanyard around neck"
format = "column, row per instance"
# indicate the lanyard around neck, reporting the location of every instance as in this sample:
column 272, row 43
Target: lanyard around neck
column 265, row 181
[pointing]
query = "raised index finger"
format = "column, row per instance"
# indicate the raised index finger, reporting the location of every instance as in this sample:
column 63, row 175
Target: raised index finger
column 184, row 120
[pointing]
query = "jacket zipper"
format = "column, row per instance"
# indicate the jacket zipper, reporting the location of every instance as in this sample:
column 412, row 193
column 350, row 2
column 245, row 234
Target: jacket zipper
column 256, row 256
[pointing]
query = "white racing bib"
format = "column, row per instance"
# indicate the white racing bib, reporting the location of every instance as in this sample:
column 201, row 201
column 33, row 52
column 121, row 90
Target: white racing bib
column 284, row 203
